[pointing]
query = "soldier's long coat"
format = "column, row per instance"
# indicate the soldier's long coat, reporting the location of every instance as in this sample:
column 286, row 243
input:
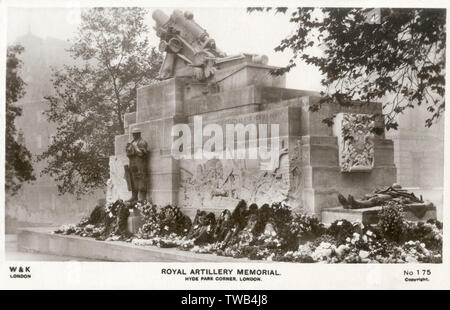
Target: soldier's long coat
column 137, row 152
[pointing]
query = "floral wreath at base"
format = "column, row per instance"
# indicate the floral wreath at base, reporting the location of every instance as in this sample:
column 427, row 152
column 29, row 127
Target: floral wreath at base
column 272, row 233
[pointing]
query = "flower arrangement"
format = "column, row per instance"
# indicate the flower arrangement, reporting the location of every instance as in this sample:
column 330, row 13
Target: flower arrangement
column 172, row 220
column 270, row 233
column 149, row 214
column 429, row 233
column 306, row 227
column 82, row 229
column 392, row 220
column 160, row 222
column 343, row 229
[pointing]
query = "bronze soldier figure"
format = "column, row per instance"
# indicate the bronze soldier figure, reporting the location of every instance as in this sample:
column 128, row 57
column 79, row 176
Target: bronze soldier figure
column 378, row 197
column 137, row 152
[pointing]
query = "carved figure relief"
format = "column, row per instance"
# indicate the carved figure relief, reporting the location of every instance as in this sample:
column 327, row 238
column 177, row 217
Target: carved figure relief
column 355, row 142
column 216, row 179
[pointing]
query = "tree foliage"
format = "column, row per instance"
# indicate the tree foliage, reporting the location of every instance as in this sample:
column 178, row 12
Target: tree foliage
column 397, row 57
column 113, row 58
column 18, row 161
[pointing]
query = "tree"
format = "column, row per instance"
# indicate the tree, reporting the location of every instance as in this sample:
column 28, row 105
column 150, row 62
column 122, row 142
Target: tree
column 113, row 59
column 370, row 54
column 18, row 167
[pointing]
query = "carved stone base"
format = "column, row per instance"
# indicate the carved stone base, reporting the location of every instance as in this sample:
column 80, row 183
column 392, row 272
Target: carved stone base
column 370, row 215
column 306, row 174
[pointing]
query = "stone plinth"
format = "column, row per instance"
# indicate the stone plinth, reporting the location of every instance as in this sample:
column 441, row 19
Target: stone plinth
column 161, row 100
column 306, row 175
column 248, row 74
column 42, row 240
column 370, row 215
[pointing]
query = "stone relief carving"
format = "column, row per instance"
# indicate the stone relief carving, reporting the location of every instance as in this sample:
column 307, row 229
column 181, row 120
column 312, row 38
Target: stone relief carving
column 117, row 186
column 219, row 181
column 355, row 142
column 294, row 194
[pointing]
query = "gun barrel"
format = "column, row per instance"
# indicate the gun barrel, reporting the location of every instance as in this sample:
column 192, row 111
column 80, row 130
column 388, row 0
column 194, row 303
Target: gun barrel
column 189, row 25
column 160, row 18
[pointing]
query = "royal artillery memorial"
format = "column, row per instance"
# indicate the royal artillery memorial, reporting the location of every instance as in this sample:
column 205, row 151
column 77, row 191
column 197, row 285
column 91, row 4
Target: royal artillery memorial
column 207, row 92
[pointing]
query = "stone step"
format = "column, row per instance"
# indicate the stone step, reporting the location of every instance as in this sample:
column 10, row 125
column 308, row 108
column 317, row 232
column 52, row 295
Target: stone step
column 365, row 216
column 42, row 240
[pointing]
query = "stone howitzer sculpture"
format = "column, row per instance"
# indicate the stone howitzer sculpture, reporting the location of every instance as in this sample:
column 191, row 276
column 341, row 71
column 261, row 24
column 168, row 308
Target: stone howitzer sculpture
column 181, row 37
column 186, row 42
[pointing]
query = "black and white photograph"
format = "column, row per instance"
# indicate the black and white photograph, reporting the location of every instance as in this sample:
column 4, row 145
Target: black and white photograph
column 247, row 135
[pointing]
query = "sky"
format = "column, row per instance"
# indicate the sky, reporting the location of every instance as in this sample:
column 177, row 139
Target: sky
column 233, row 29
